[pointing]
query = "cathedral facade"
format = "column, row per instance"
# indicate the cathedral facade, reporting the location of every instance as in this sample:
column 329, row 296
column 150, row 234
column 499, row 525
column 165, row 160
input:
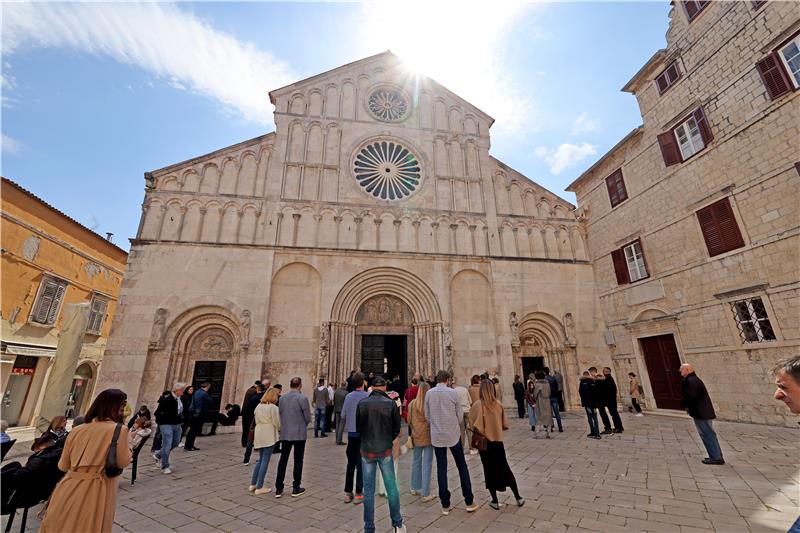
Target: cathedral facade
column 372, row 230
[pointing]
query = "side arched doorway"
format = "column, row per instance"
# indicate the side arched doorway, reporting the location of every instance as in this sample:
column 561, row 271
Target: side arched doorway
column 384, row 310
column 80, row 391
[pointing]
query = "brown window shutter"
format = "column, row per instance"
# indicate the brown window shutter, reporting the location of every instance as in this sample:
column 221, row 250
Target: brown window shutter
column 719, row 228
column 615, row 184
column 691, row 9
column 702, row 123
column 774, row 76
column 669, row 148
column 612, row 191
column 620, row 266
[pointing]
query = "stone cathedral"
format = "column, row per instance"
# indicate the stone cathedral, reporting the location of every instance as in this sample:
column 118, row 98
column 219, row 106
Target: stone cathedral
column 372, row 229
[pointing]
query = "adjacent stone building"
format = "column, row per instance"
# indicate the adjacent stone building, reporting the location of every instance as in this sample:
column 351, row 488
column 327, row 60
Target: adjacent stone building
column 372, row 229
column 48, row 262
column 692, row 219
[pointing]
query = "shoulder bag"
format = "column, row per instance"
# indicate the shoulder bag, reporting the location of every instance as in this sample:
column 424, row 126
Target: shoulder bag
column 479, row 441
column 112, row 470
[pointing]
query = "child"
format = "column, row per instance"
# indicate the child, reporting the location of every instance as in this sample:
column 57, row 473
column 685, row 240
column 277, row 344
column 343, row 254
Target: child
column 141, row 429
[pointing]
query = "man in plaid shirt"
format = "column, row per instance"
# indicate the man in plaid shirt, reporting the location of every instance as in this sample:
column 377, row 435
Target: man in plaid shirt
column 444, row 413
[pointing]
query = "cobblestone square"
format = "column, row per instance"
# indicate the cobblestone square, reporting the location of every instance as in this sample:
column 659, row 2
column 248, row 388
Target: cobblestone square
column 647, row 479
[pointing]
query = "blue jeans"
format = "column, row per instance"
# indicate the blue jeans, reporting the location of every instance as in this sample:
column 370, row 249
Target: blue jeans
column 463, row 473
column 556, row 413
column 709, row 438
column 531, row 416
column 260, row 470
column 170, row 438
column 421, row 469
column 319, row 421
column 370, row 466
column 594, row 427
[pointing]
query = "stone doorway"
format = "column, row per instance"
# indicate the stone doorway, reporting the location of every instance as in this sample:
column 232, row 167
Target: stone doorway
column 214, row 373
column 386, row 355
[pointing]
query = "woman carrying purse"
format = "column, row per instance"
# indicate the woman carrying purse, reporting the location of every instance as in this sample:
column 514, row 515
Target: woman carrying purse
column 488, row 419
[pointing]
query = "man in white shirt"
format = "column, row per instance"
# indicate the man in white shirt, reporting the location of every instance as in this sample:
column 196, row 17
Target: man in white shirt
column 466, row 404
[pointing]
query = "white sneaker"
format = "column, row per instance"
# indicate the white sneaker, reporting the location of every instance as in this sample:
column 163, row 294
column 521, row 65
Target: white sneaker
column 639, row 414
column 401, row 529
column 473, row 452
column 156, row 457
column 251, row 488
column 166, row 471
column 264, row 490
column 180, row 445
column 413, row 492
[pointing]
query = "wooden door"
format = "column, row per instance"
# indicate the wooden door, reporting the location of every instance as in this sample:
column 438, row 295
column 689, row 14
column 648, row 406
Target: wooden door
column 663, row 363
column 373, row 354
column 214, row 373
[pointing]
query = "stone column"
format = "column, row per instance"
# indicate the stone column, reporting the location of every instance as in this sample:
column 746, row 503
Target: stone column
column 397, row 234
column 453, row 238
column 295, row 227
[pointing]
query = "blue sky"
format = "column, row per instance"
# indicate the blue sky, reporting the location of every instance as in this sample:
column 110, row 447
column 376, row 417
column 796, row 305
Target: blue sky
column 94, row 95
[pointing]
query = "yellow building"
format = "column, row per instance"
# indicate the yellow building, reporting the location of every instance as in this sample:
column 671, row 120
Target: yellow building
column 47, row 262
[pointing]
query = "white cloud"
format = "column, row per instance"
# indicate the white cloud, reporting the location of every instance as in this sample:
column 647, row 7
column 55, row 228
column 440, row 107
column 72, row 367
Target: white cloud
column 584, row 124
column 565, row 156
column 460, row 44
column 11, row 146
column 159, row 38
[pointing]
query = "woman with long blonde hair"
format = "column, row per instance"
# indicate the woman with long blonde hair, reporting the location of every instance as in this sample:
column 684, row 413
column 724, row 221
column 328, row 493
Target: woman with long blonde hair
column 267, row 419
column 488, row 418
column 420, row 431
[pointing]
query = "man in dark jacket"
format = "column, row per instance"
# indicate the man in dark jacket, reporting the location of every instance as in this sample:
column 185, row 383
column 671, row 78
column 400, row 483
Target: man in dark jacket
column 247, row 415
column 254, row 400
column 697, row 403
column 201, row 401
column 587, row 392
column 609, row 400
column 338, row 403
column 169, row 415
column 519, row 395
column 378, row 424
column 553, row 382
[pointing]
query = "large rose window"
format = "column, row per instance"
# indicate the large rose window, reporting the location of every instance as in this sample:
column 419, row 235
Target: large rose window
column 387, row 170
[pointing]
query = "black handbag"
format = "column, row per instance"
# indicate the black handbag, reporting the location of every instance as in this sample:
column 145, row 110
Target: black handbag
column 112, row 470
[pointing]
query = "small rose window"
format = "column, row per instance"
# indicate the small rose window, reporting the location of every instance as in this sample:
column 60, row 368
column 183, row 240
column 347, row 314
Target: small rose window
column 387, row 105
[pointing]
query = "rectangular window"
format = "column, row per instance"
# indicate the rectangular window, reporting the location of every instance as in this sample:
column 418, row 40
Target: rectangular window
column 686, row 139
column 689, row 139
column 752, row 320
column 635, row 261
column 719, row 227
column 48, row 301
column 629, row 263
column 758, row 3
column 97, row 315
column 615, row 184
column 790, row 55
column 694, row 7
column 668, row 77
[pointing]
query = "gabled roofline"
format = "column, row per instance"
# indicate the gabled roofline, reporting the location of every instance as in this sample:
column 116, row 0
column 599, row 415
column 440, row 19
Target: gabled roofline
column 60, row 213
column 196, row 159
column 657, row 58
column 633, row 133
column 389, row 54
column 507, row 167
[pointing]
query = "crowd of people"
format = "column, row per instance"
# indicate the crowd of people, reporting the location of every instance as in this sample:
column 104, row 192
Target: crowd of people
column 77, row 471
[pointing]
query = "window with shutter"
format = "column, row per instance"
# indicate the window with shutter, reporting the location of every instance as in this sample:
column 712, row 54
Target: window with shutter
column 48, row 301
column 634, row 259
column 620, row 266
column 719, row 227
column 668, row 77
column 97, row 315
column 617, row 193
column 790, row 56
column 693, row 7
column 758, row 3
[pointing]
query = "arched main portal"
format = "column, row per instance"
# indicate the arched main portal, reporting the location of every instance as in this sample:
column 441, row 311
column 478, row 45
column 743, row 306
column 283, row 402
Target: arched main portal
column 385, row 301
column 543, row 341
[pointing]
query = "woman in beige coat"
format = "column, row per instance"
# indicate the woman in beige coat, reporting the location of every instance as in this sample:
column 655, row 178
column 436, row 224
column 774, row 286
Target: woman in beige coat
column 420, row 430
column 541, row 393
column 267, row 418
column 85, row 499
column 488, row 418
column 635, row 394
